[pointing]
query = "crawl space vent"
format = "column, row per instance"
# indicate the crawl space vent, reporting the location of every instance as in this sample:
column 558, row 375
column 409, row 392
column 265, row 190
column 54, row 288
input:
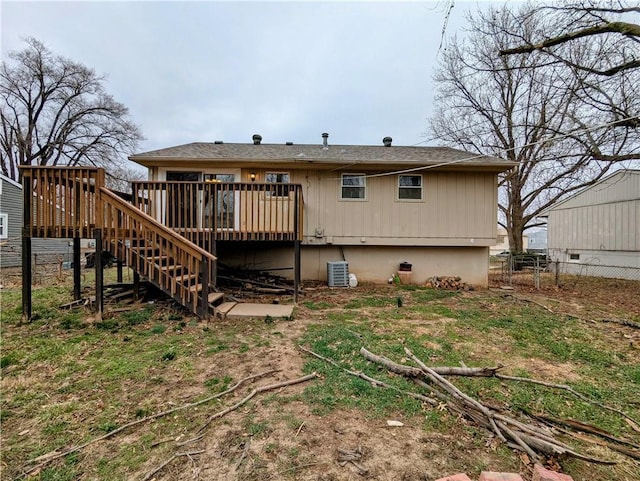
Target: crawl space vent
column 338, row 274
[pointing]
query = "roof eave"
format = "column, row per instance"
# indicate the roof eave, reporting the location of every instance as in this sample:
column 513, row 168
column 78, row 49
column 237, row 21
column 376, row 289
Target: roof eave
column 163, row 161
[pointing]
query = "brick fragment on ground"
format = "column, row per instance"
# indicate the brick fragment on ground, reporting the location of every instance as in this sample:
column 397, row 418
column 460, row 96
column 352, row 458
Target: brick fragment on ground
column 493, row 476
column 540, row 473
column 455, row 477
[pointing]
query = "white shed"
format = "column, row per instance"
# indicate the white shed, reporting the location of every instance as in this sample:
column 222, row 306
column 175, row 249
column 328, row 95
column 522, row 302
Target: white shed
column 597, row 231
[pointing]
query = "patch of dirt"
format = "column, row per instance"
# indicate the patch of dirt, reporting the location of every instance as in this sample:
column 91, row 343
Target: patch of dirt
column 589, row 297
column 278, row 436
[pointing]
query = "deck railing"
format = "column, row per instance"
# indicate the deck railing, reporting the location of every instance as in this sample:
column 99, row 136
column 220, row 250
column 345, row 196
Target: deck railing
column 205, row 212
column 64, row 201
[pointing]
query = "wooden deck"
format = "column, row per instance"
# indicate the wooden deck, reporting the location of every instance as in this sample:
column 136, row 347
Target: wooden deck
column 166, row 232
column 205, row 212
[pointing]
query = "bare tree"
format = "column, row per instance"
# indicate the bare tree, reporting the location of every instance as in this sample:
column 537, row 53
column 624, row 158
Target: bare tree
column 532, row 111
column 56, row 112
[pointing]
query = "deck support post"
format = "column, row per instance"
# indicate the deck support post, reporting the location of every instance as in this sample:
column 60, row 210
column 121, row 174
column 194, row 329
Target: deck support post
column 214, row 267
column 27, row 275
column 119, row 270
column 297, row 220
column 204, row 293
column 97, row 234
column 136, row 285
column 76, row 268
column 296, row 270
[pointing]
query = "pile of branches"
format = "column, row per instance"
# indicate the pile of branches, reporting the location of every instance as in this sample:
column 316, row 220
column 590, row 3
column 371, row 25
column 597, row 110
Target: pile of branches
column 253, row 280
column 537, row 440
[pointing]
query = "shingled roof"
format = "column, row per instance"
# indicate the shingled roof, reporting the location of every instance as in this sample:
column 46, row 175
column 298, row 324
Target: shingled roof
column 375, row 156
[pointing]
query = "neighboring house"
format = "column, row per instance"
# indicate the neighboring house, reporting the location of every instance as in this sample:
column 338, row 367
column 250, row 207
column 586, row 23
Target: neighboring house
column 372, row 206
column 537, row 241
column 10, row 222
column 502, row 242
column 45, row 251
column 599, row 226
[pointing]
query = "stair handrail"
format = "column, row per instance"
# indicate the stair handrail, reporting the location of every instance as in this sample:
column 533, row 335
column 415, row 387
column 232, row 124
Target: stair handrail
column 194, row 262
column 175, row 237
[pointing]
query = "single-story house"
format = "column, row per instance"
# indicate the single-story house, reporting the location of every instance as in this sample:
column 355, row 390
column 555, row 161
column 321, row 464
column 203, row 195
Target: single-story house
column 374, row 207
column 597, row 231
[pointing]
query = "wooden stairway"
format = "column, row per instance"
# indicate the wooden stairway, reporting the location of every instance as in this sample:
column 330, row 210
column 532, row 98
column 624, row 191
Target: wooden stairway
column 171, row 262
column 74, row 203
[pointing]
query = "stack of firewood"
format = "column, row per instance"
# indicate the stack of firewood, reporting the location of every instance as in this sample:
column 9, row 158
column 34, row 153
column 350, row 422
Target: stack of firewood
column 447, row 282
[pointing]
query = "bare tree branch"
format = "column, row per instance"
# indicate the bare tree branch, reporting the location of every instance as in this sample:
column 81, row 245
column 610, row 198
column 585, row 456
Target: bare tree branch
column 623, row 28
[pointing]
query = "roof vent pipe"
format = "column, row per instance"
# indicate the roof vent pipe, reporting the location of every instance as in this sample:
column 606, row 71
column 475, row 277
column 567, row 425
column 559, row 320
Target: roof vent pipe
column 257, row 138
column 217, row 142
column 387, row 141
column 325, row 140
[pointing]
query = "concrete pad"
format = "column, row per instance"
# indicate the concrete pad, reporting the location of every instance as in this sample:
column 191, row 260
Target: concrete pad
column 246, row 311
column 223, row 309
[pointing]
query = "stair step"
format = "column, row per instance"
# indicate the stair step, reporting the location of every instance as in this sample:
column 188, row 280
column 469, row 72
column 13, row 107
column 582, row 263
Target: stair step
column 215, row 297
column 195, row 288
column 186, row 277
column 170, row 267
column 223, row 309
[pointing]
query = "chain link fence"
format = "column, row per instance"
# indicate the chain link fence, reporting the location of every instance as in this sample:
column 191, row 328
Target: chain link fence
column 540, row 271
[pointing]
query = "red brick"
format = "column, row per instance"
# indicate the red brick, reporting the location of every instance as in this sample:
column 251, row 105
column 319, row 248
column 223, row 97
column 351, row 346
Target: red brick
column 491, row 476
column 540, row 473
column 455, row 477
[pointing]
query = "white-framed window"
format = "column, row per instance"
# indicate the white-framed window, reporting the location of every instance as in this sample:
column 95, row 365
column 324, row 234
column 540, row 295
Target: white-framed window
column 4, row 226
column 280, row 178
column 277, row 177
column 410, row 187
column 353, row 187
column 573, row 257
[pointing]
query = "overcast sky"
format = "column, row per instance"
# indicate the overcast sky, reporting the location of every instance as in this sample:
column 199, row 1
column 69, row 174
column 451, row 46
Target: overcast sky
column 205, row 71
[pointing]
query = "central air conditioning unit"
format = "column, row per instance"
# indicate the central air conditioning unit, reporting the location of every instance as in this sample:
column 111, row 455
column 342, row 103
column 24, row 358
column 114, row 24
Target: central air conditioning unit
column 338, row 274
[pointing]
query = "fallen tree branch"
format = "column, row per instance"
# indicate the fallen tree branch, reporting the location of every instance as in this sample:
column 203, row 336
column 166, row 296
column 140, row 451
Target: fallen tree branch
column 413, row 372
column 632, row 453
column 528, row 438
column 53, row 455
column 269, row 387
column 374, row 382
column 585, row 428
column 623, row 322
column 531, row 301
column 457, row 394
column 245, row 451
column 176, row 455
column 564, row 387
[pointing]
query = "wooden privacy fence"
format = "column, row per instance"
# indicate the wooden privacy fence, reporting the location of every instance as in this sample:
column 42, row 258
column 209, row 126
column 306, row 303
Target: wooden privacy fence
column 205, row 212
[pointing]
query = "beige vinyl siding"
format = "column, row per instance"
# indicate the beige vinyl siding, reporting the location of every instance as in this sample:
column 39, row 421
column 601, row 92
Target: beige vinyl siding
column 457, row 209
